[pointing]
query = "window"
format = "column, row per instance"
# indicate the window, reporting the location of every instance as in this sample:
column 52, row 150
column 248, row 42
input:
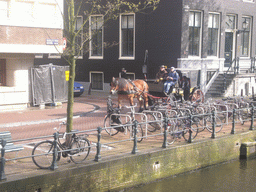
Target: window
column 79, row 37
column 127, row 36
column 230, row 22
column 4, row 8
column 128, row 75
column 213, row 34
column 194, row 33
column 96, row 80
column 2, row 72
column 245, row 38
column 54, row 56
column 96, row 36
column 39, row 56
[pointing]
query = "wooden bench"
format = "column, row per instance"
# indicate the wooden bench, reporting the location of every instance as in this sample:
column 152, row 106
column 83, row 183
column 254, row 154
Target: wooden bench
column 9, row 147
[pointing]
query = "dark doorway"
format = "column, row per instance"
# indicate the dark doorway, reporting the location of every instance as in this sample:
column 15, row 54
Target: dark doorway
column 228, row 48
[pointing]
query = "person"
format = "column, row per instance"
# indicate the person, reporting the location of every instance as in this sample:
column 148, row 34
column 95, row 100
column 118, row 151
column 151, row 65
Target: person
column 171, row 80
column 186, row 87
column 161, row 74
column 123, row 73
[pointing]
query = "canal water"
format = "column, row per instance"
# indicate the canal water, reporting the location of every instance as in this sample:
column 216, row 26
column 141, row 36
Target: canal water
column 233, row 176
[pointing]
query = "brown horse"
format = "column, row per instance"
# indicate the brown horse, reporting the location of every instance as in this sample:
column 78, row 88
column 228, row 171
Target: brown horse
column 128, row 89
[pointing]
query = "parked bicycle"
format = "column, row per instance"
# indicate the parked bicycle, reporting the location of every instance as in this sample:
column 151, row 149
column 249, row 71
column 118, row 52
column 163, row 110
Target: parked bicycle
column 78, row 150
column 113, row 122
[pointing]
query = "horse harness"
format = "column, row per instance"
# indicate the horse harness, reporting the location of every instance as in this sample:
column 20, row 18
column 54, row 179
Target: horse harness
column 131, row 90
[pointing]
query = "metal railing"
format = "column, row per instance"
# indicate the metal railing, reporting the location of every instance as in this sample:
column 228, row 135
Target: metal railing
column 164, row 133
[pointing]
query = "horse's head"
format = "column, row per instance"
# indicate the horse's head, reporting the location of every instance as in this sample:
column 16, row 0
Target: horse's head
column 114, row 86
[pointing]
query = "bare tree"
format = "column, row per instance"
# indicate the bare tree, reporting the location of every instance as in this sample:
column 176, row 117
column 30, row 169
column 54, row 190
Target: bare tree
column 79, row 36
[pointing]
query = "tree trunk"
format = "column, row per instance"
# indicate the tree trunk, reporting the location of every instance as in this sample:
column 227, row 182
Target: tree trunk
column 72, row 62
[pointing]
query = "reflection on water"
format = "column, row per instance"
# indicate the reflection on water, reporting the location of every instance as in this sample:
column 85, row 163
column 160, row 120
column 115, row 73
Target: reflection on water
column 232, row 176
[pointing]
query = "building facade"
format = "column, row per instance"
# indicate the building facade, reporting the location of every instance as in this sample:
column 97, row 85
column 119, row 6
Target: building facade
column 201, row 35
column 27, row 29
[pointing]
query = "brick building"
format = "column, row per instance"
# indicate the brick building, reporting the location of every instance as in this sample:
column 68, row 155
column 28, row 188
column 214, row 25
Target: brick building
column 27, row 29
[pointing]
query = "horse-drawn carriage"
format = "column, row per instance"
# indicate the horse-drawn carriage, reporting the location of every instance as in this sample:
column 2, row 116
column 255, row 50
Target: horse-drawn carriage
column 184, row 89
column 153, row 90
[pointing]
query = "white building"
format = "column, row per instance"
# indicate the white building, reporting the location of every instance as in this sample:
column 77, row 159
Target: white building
column 28, row 28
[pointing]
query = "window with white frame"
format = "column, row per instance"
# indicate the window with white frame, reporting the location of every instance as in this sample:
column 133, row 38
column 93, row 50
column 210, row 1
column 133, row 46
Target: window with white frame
column 245, row 38
column 127, row 36
column 39, row 56
column 213, row 34
column 4, row 8
column 54, row 56
column 248, row 0
column 195, row 26
column 96, row 80
column 79, row 37
column 96, row 36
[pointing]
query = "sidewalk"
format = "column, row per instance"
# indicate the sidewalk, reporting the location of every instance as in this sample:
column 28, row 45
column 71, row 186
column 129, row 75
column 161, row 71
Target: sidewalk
column 35, row 115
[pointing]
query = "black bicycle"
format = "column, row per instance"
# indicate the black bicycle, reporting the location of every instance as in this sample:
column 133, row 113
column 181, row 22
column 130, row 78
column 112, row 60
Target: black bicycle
column 78, row 150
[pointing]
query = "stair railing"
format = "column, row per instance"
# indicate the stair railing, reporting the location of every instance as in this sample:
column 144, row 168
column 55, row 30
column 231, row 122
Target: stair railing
column 235, row 69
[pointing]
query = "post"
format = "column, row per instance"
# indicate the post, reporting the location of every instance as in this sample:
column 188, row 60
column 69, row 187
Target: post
column 55, row 152
column 90, row 88
column 190, row 131
column 252, row 118
column 134, row 129
column 252, row 92
column 213, row 124
column 98, row 156
column 165, row 132
column 233, row 122
column 2, row 174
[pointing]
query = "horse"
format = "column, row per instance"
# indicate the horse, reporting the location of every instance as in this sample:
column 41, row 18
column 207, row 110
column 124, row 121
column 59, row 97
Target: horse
column 129, row 89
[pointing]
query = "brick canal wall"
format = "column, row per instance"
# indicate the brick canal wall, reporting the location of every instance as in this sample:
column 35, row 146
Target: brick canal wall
column 129, row 170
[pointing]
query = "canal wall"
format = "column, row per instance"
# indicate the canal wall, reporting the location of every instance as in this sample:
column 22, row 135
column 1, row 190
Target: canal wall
column 117, row 173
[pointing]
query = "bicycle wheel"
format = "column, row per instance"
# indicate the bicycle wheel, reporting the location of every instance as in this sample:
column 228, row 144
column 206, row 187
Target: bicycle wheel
column 153, row 126
column 44, row 150
column 140, row 133
column 172, row 132
column 194, row 131
column 218, row 124
column 108, row 125
column 80, row 149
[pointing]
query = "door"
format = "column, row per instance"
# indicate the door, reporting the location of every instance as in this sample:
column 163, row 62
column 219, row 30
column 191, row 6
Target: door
column 228, row 48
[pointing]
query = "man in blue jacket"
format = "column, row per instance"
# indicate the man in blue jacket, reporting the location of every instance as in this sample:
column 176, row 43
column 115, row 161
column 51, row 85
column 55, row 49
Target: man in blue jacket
column 171, row 80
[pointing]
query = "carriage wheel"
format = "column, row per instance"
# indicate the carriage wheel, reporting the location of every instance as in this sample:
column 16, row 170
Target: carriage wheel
column 198, row 95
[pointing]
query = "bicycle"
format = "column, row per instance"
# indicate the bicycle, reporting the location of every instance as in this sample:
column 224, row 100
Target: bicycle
column 179, row 125
column 78, row 150
column 113, row 122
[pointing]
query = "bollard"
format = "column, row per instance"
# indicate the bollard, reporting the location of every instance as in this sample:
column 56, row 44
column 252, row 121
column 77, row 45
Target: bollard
column 213, row 124
column 252, row 119
column 98, row 156
column 165, row 132
column 135, row 150
column 233, row 122
column 2, row 159
column 190, row 131
column 55, row 152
